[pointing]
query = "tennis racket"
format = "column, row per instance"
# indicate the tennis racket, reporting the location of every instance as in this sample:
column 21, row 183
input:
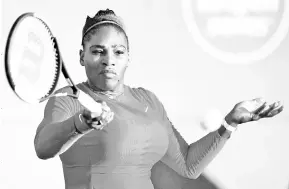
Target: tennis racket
column 33, row 63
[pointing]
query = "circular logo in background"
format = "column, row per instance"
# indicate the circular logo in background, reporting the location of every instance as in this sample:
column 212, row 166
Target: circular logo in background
column 237, row 31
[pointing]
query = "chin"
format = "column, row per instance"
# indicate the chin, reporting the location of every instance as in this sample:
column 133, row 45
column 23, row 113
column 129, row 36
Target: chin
column 106, row 84
column 110, row 84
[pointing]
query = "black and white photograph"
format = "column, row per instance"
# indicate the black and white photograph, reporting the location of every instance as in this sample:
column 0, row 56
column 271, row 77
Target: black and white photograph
column 144, row 94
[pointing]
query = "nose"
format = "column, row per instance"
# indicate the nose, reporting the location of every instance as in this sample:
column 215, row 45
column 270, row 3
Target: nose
column 108, row 60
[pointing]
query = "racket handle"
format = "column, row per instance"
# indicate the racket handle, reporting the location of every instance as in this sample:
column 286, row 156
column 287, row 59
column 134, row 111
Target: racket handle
column 89, row 102
column 85, row 100
column 64, row 94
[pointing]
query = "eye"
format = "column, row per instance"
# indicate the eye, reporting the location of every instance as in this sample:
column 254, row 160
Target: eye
column 97, row 51
column 119, row 52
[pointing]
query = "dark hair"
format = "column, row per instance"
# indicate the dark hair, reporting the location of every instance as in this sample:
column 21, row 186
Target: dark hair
column 101, row 19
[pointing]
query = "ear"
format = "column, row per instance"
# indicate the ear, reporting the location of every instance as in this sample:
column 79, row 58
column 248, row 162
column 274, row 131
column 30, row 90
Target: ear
column 81, row 56
column 128, row 61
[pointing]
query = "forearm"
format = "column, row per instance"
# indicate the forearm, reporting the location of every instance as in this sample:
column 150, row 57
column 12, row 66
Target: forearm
column 56, row 138
column 202, row 152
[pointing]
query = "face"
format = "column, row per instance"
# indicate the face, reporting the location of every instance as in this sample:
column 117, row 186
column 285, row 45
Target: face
column 105, row 58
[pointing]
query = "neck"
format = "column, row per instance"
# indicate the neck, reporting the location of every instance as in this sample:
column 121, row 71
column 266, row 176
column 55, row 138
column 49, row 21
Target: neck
column 119, row 89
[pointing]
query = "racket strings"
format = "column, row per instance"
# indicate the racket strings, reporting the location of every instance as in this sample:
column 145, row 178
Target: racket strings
column 32, row 59
column 57, row 61
column 57, row 69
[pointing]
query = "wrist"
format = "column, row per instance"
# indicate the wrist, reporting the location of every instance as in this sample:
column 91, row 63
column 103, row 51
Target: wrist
column 230, row 121
column 80, row 124
column 226, row 129
column 223, row 132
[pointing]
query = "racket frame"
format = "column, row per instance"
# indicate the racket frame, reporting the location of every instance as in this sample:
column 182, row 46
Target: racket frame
column 59, row 61
column 64, row 71
column 7, row 47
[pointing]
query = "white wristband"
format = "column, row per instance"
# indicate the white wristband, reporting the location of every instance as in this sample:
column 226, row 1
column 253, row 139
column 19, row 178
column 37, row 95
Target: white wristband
column 229, row 127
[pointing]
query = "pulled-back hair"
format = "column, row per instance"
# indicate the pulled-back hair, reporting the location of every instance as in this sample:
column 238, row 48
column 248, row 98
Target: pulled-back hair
column 102, row 18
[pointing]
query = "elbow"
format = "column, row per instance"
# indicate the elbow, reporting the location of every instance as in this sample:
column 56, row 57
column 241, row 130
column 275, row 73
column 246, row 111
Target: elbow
column 193, row 175
column 42, row 152
column 43, row 156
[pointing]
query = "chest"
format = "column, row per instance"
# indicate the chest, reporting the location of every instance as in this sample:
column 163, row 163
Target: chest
column 135, row 136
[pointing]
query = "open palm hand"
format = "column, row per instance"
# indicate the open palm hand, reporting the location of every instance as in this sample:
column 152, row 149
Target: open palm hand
column 252, row 110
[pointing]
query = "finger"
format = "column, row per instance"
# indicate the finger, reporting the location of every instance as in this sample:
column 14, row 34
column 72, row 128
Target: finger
column 110, row 118
column 266, row 110
column 103, row 103
column 106, row 117
column 86, row 114
column 100, row 101
column 273, row 108
column 95, row 119
column 277, row 104
column 106, row 108
column 260, row 109
column 275, row 111
column 97, row 126
column 104, row 114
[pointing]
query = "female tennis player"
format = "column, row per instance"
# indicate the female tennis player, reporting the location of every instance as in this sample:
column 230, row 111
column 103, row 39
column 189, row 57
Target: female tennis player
column 118, row 148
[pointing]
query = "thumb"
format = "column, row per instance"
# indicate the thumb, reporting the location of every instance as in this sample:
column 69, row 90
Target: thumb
column 260, row 100
column 259, row 104
column 254, row 104
column 104, row 106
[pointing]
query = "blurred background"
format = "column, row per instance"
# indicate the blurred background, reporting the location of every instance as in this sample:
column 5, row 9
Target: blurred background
column 200, row 57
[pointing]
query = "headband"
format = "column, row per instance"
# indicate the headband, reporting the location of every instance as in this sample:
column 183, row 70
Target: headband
column 102, row 17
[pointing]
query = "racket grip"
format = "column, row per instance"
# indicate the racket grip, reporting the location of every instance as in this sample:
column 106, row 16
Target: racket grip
column 89, row 103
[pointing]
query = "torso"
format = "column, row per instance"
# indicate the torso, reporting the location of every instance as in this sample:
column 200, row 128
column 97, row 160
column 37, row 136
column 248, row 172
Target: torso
column 122, row 154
